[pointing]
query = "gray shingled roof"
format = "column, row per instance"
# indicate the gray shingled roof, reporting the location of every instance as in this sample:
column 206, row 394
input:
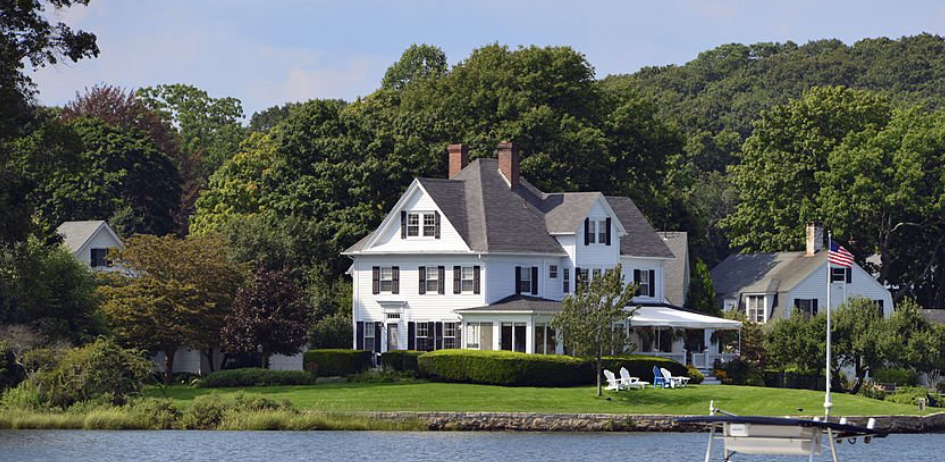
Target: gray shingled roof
column 491, row 217
column 641, row 239
column 764, row 272
column 519, row 303
column 674, row 271
column 76, row 233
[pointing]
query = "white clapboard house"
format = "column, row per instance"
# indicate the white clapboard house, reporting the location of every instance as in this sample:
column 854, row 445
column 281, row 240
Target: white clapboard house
column 769, row 286
column 482, row 260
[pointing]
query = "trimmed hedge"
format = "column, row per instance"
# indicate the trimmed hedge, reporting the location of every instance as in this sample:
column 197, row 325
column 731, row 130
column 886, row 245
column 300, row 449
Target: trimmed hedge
column 337, row 362
column 253, row 376
column 401, row 360
column 504, row 368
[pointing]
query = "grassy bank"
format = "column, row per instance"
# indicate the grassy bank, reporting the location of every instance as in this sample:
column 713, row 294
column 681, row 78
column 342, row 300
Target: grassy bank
column 123, row 419
column 343, row 397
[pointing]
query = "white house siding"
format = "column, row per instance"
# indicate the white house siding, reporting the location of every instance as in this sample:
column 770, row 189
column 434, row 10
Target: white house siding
column 101, row 239
column 597, row 255
column 814, row 286
column 499, row 280
column 644, row 264
column 390, row 237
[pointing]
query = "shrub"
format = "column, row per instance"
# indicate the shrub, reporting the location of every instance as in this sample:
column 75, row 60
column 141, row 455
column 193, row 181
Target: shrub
column 505, row 368
column 11, row 374
column 384, row 376
column 910, row 395
column 741, row 372
column 641, row 366
column 251, row 376
column 871, row 390
column 209, row 411
column 401, row 360
column 99, row 371
column 331, row 363
column 896, row 376
column 695, row 376
column 159, row 414
column 333, row 331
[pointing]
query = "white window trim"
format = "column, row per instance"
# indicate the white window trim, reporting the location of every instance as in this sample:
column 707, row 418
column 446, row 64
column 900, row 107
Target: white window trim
column 553, row 271
column 463, row 280
column 432, row 274
column 390, row 274
column 602, row 232
column 525, row 275
column 764, row 306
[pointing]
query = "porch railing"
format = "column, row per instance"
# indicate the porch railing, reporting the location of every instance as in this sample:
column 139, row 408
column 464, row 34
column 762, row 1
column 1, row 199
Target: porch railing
column 678, row 357
column 703, row 361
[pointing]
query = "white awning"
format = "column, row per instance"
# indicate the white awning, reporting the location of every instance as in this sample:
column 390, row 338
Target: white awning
column 658, row 316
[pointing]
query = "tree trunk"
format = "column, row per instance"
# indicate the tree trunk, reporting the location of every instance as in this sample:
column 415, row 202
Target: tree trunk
column 264, row 359
column 209, row 354
column 600, row 388
column 169, row 364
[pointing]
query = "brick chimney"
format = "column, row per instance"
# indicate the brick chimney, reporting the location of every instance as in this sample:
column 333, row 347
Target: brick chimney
column 508, row 162
column 815, row 238
column 459, row 158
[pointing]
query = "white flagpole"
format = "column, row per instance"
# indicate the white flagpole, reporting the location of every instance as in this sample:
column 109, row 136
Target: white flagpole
column 827, row 403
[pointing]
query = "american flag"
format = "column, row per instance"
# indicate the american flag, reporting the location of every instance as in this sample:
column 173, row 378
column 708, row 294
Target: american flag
column 839, row 256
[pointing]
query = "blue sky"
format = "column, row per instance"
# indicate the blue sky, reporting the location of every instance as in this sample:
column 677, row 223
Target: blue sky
column 270, row 52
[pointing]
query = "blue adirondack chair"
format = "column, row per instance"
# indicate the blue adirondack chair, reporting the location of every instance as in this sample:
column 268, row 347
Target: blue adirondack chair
column 658, row 379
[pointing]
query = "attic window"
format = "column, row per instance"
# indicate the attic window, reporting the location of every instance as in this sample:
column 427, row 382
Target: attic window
column 100, row 258
column 413, row 225
column 429, row 225
column 420, row 224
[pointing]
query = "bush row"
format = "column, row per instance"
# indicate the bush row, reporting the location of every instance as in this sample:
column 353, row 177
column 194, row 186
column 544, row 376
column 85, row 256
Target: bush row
column 401, row 360
column 253, row 376
column 336, row 362
column 520, row 369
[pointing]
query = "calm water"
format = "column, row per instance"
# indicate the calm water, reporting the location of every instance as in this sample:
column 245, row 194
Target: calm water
column 193, row 446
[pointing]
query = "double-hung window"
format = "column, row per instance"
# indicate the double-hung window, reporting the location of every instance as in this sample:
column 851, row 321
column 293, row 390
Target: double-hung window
column 433, row 280
column 841, row 274
column 387, row 279
column 525, row 280
column 449, row 335
column 429, row 225
column 369, row 336
column 807, row 307
column 602, row 232
column 100, row 258
column 553, row 272
column 592, row 232
column 643, row 283
column 566, row 278
column 467, row 279
column 413, row 224
column 755, row 306
column 423, row 337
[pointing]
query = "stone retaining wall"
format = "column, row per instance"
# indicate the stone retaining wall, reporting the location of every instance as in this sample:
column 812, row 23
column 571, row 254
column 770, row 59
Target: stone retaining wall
column 536, row 422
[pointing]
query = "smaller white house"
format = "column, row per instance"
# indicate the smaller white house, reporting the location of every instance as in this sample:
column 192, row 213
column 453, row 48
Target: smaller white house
column 769, row 286
column 91, row 242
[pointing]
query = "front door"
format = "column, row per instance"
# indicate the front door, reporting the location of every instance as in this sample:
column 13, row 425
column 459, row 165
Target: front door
column 393, row 337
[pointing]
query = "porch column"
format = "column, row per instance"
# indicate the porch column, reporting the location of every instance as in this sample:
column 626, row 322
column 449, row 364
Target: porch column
column 530, row 335
column 462, row 334
column 496, row 335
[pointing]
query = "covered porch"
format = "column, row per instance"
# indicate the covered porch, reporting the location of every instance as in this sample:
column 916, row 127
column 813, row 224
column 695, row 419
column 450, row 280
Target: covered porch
column 521, row 323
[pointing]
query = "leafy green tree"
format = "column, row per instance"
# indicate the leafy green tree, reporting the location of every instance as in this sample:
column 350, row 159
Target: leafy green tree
column 857, row 331
column 181, row 293
column 417, row 62
column 210, row 128
column 701, row 295
column 797, row 343
column 49, row 290
column 776, row 177
column 588, row 317
column 269, row 317
column 911, row 341
column 266, row 119
column 122, row 170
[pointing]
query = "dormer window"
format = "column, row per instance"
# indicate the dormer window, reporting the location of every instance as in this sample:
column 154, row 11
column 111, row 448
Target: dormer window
column 592, row 232
column 100, row 258
column 602, row 231
column 596, row 231
column 420, row 224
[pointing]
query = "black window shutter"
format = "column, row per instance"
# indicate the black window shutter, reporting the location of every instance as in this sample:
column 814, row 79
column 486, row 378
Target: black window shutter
column 431, row 336
column 607, row 235
column 534, row 280
column 518, row 279
column 395, row 276
column 476, row 271
column 652, row 283
column 458, row 343
column 814, row 309
column 457, row 279
column 423, row 279
column 411, row 336
column 587, row 231
column 436, row 222
column 565, row 280
column 403, row 225
column 441, row 280
column 377, row 337
column 376, row 280
column 359, row 342
column 849, row 275
column 439, row 336
column 636, row 280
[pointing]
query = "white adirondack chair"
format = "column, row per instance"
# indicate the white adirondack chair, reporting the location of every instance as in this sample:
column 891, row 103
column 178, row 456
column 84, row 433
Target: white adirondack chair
column 631, row 382
column 675, row 382
column 612, row 383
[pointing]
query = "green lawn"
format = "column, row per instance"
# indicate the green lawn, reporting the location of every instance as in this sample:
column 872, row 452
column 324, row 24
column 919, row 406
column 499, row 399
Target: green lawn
column 461, row 397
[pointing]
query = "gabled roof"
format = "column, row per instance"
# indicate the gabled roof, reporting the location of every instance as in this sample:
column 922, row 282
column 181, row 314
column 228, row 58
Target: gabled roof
column 674, row 271
column 764, row 272
column 76, row 233
column 519, row 303
column 641, row 239
column 492, row 217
